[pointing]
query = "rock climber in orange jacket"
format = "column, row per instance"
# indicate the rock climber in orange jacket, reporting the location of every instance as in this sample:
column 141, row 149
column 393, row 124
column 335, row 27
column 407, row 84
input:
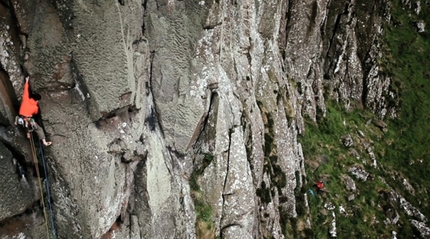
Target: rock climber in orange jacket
column 320, row 184
column 30, row 107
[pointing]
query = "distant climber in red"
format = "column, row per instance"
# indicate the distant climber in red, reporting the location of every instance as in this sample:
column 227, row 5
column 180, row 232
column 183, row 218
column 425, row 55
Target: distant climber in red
column 30, row 107
column 319, row 185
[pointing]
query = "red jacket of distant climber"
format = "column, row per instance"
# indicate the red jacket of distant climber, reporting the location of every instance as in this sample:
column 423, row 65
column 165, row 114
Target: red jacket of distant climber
column 29, row 106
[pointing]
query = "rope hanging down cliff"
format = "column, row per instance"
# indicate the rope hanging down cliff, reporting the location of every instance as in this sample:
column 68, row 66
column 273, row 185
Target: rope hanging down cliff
column 47, row 188
column 48, row 192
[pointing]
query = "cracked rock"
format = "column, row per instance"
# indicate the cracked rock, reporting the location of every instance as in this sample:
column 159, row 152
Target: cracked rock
column 359, row 172
column 421, row 25
column 347, row 141
column 349, row 183
column 329, row 206
column 422, row 228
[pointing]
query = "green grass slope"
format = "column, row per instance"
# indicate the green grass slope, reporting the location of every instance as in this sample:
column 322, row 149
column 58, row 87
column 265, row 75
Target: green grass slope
column 402, row 152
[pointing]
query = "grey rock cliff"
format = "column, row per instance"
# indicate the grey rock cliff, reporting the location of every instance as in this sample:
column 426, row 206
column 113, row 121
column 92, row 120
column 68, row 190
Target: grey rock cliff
column 135, row 92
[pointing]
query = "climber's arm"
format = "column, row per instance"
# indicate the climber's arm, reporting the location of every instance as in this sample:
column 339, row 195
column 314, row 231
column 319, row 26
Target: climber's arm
column 26, row 92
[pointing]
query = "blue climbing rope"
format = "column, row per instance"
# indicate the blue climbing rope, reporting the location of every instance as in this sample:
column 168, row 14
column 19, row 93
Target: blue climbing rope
column 48, row 192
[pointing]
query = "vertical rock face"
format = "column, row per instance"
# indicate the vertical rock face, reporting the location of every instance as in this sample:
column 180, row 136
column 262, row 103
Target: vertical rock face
column 14, row 184
column 351, row 48
column 135, row 93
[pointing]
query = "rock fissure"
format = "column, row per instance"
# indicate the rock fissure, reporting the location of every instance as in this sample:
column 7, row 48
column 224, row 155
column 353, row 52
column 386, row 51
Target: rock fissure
column 202, row 124
column 228, row 226
column 225, row 182
column 198, row 70
column 81, row 88
column 23, row 164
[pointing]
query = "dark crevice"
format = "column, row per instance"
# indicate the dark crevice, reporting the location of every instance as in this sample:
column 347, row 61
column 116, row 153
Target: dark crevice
column 203, row 124
column 248, row 54
column 151, row 72
column 248, row 145
column 120, row 112
column 336, row 24
column 335, row 27
column 5, row 3
column 152, row 119
column 115, row 226
column 365, row 93
column 176, row 153
column 145, row 7
column 366, row 70
column 314, row 12
column 288, row 21
column 132, row 111
column 111, row 114
column 22, row 167
column 140, row 40
column 82, row 87
column 125, row 114
column 15, row 19
column 227, row 226
column 225, row 180
column 119, row 221
column 323, row 25
column 108, row 115
column 121, row 2
column 212, row 26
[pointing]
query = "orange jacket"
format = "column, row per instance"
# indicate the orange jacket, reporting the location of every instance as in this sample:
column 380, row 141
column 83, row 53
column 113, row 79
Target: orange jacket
column 29, row 106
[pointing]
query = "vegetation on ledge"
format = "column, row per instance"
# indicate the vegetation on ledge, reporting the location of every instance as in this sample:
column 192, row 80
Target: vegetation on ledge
column 401, row 150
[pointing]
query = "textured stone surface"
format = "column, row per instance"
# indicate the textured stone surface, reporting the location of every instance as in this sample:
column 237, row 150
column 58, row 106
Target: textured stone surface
column 359, row 172
column 422, row 228
column 134, row 92
column 349, row 183
column 17, row 194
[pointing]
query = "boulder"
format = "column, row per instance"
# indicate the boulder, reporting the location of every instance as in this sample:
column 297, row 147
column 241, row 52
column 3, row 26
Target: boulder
column 422, row 228
column 392, row 216
column 379, row 123
column 421, row 26
column 347, row 141
column 333, row 229
column 359, row 172
column 349, row 183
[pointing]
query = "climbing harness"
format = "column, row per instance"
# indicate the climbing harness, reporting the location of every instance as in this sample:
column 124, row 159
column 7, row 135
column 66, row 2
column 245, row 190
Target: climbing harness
column 26, row 122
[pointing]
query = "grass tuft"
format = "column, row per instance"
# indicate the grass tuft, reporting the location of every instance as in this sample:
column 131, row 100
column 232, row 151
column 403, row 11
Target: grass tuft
column 204, row 222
